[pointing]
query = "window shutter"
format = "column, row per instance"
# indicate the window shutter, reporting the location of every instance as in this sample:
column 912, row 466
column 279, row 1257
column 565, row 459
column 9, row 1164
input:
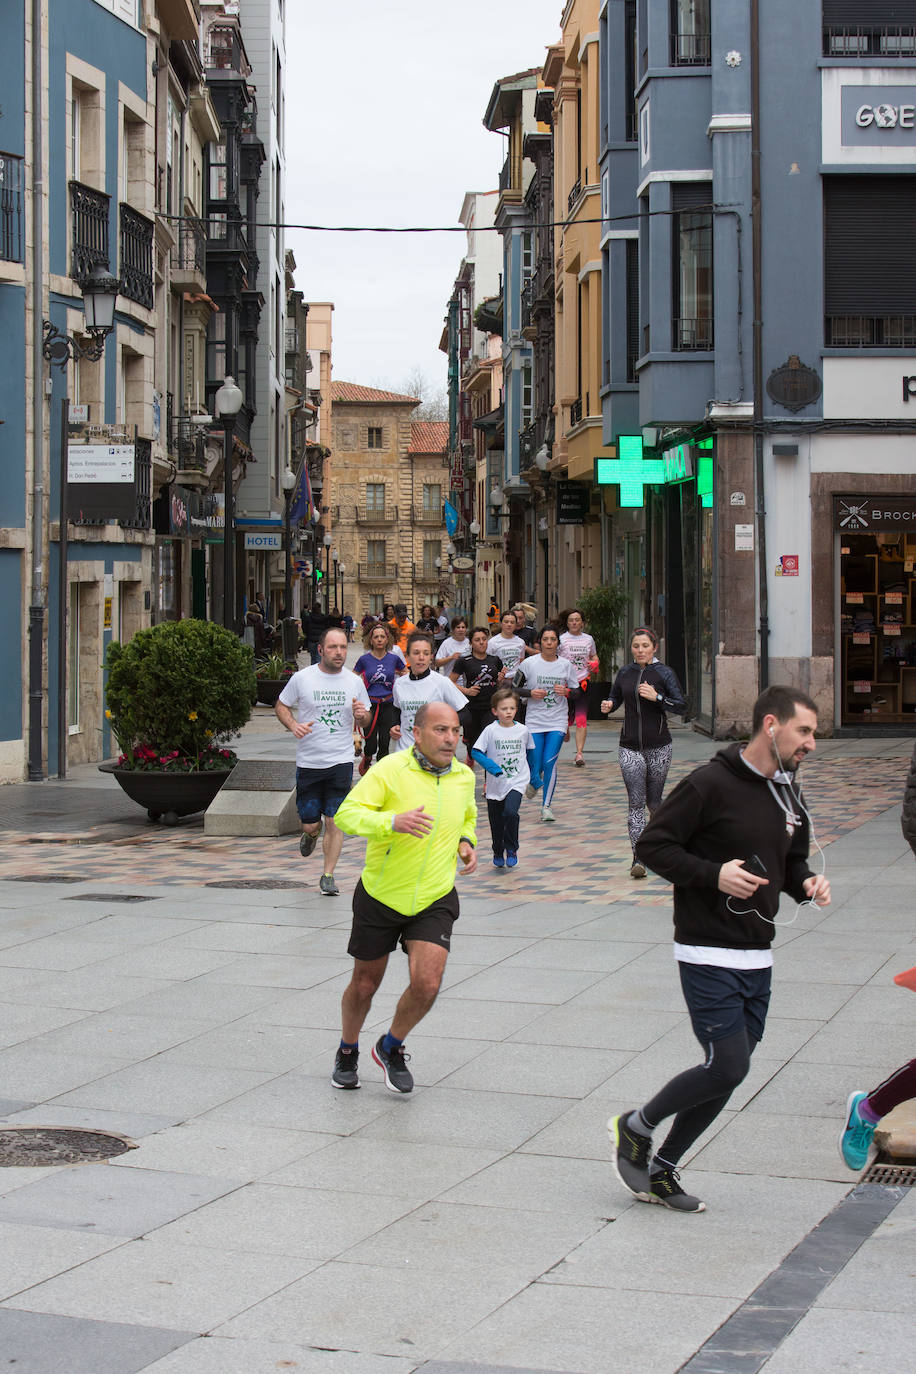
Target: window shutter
column 869, row 265
column 687, row 195
column 868, row 14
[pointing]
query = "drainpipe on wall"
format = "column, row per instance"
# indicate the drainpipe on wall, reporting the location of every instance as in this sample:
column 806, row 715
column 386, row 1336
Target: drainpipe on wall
column 36, row 592
column 757, row 273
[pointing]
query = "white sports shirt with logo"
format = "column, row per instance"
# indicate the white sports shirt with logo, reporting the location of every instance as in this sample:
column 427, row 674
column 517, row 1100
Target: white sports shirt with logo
column 412, row 693
column 324, row 700
column 509, row 651
column 507, row 746
column 550, row 712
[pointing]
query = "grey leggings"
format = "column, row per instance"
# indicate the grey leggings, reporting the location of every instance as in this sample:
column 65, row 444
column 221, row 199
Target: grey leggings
column 644, row 773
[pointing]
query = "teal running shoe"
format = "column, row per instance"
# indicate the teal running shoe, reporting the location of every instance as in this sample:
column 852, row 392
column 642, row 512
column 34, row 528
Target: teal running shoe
column 857, row 1135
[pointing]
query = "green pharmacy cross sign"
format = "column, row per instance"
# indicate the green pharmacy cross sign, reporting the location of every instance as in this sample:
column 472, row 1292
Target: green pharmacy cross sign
column 633, row 472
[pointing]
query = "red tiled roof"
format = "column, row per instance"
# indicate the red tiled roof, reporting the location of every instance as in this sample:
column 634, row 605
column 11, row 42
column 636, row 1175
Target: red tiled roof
column 428, row 436
column 352, row 391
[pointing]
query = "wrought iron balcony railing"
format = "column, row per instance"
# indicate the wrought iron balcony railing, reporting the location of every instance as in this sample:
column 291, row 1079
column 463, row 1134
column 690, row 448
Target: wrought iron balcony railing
column 870, row 331
column 574, row 194
column 690, row 49
column 11, row 185
column 427, row 515
column 866, row 40
column 136, row 256
column 190, row 253
column 692, row 335
column 527, row 296
column 376, row 515
column 188, row 447
column 378, row 572
column 575, row 413
column 427, row 574
column 89, row 229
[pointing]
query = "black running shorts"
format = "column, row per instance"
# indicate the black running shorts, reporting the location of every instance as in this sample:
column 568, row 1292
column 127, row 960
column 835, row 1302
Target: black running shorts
column 377, row 928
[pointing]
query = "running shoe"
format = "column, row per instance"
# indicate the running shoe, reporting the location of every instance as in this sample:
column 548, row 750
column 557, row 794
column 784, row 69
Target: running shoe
column 531, row 791
column 307, row 842
column 665, row 1188
column 638, row 870
column 327, row 886
column 547, row 814
column 345, row 1075
column 631, row 1156
column 511, row 859
column 857, row 1135
column 498, row 861
column 397, row 1075
column 579, row 761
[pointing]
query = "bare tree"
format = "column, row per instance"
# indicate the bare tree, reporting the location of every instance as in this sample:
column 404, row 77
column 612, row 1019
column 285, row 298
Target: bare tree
column 433, row 399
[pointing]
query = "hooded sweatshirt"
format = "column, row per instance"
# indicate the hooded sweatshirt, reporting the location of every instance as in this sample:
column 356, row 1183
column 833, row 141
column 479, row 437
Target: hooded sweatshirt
column 726, row 810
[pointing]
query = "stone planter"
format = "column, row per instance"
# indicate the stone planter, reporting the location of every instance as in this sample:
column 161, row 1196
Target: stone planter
column 269, row 689
column 168, row 795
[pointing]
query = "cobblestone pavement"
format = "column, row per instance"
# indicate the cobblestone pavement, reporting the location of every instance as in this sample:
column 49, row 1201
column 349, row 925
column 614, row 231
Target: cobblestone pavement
column 585, row 855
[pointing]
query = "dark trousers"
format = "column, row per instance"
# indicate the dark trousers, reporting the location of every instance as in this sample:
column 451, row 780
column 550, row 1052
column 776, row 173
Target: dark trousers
column 504, row 823
column 377, row 737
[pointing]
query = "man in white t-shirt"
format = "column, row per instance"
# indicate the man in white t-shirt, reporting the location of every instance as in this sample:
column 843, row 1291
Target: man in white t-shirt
column 327, row 699
column 508, row 647
column 418, row 686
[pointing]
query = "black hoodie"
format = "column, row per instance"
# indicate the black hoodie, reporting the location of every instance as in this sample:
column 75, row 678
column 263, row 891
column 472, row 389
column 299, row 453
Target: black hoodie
column 724, row 810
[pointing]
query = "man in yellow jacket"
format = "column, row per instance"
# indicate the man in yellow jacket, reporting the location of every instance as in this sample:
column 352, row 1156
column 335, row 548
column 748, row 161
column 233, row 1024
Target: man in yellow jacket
column 417, row 810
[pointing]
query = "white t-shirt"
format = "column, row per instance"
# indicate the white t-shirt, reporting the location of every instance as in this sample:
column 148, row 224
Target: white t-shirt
column 325, row 700
column 509, row 651
column 412, row 693
column 578, row 649
column 453, row 646
column 506, row 746
column 550, row 712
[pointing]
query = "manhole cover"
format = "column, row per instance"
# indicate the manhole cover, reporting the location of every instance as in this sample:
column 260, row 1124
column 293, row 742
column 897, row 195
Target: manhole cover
column 46, row 878
column 109, row 897
column 35, row 1146
column 259, row 882
column 891, row 1175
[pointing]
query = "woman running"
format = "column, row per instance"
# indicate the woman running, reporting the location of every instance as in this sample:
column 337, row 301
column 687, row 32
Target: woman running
column 647, row 689
column 546, row 680
column 579, row 648
column 457, row 646
column 428, row 622
column 378, row 667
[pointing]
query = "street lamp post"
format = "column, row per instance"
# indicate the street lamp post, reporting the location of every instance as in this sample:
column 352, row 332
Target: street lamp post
column 227, row 406
column 327, row 574
column 288, row 483
column 474, row 532
column 341, row 569
column 334, row 557
column 100, row 294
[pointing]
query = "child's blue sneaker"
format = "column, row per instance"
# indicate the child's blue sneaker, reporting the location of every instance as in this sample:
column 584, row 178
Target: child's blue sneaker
column 856, row 1136
column 511, row 859
column 498, row 861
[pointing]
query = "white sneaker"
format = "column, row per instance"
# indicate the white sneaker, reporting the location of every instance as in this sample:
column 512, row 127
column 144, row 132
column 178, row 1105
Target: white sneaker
column 547, row 814
column 530, row 791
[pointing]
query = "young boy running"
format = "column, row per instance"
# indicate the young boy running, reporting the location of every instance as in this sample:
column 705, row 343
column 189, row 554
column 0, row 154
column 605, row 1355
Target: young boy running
column 418, row 686
column 501, row 750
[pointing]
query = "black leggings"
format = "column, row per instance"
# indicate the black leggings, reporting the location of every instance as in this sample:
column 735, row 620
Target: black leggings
column 377, row 738
column 696, row 1097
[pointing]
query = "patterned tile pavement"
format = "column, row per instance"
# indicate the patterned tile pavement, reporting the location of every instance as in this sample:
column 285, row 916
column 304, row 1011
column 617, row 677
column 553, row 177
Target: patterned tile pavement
column 585, row 855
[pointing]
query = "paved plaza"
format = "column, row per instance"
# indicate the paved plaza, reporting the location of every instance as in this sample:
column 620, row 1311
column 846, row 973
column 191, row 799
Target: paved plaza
column 154, row 983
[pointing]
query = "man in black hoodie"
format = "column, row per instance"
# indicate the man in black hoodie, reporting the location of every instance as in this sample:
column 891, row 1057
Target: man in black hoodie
column 731, row 837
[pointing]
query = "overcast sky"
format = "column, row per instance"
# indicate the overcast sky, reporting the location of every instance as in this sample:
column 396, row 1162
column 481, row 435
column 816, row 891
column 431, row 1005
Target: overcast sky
column 384, row 110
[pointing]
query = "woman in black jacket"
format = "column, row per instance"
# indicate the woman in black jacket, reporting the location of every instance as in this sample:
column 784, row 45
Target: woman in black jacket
column 647, row 690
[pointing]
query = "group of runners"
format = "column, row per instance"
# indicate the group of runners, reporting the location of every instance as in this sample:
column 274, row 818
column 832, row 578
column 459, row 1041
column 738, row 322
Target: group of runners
column 730, row 838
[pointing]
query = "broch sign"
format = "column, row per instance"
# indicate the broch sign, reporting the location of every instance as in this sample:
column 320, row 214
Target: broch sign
column 865, row 513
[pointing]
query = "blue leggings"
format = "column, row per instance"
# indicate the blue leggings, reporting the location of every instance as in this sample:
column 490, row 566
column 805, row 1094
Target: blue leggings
column 542, row 761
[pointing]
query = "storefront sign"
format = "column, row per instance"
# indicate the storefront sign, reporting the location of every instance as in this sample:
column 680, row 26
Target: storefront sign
column 264, row 541
column 572, row 503
column 870, row 388
column 859, row 513
column 100, row 463
column 878, row 116
column 678, row 463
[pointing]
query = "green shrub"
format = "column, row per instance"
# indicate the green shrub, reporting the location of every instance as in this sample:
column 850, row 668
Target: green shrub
column 176, row 693
column 604, row 609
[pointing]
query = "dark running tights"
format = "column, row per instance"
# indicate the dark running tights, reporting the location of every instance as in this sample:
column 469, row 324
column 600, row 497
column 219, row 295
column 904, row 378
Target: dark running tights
column 696, row 1097
column 900, row 1087
column 644, row 773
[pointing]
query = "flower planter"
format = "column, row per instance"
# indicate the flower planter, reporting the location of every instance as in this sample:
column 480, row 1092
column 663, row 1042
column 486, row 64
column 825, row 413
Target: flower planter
column 165, row 794
column 269, row 689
